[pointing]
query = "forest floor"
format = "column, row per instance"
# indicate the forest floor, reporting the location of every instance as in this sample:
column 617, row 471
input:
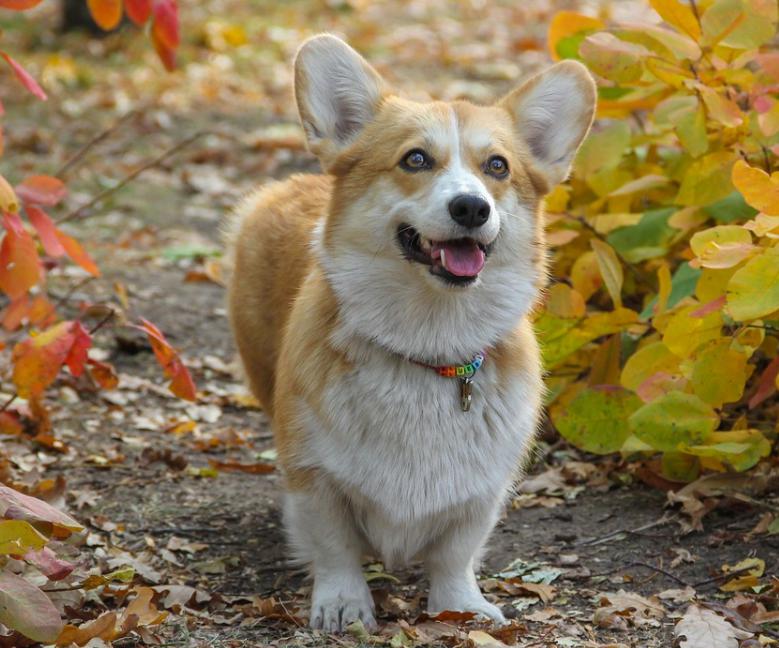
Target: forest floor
column 591, row 551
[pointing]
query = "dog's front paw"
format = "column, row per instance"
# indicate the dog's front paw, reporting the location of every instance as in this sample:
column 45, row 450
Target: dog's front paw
column 335, row 613
column 477, row 605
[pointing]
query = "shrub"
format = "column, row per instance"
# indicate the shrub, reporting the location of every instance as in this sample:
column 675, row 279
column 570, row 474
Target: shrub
column 661, row 332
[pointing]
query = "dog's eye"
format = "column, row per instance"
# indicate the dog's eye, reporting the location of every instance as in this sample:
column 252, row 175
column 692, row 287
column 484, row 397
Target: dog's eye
column 416, row 160
column 497, row 166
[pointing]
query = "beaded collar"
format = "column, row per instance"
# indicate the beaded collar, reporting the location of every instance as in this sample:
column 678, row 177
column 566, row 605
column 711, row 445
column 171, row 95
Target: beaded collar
column 464, row 373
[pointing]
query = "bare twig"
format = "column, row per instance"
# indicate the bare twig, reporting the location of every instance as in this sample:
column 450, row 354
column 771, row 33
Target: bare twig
column 79, row 211
column 78, row 155
column 61, row 301
column 658, row 570
column 8, row 403
column 613, row 535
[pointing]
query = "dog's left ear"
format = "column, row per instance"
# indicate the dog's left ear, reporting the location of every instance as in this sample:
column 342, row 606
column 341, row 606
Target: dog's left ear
column 552, row 113
column 337, row 92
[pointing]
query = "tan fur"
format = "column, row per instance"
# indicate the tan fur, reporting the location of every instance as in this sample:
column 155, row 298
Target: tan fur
column 271, row 257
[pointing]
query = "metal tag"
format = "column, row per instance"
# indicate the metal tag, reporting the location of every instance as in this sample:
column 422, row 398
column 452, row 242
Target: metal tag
column 466, row 389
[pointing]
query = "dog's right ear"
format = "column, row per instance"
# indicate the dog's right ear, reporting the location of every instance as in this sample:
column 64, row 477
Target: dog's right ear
column 337, row 92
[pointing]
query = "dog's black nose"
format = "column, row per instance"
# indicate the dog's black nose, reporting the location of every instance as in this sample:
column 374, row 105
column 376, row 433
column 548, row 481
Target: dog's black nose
column 469, row 210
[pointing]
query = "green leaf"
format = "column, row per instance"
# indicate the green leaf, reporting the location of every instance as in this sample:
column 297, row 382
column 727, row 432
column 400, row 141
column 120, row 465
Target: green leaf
column 683, row 284
column 597, row 419
column 753, row 291
column 731, row 208
column 647, row 239
column 673, row 421
column 24, row 608
column 680, row 467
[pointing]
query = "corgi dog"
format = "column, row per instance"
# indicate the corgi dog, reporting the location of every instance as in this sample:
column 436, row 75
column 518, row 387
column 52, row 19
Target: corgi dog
column 381, row 314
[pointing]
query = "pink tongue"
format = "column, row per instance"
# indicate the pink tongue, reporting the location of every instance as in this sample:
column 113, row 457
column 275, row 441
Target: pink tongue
column 462, row 258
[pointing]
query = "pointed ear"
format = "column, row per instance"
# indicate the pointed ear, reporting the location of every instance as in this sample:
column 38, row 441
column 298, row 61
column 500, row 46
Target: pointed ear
column 337, row 93
column 552, row 113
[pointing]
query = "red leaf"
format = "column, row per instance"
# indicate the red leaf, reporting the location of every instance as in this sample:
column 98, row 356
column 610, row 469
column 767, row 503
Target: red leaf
column 9, row 424
column 711, row 307
column 23, row 607
column 166, row 22
column 166, row 54
column 19, row 5
column 138, row 10
column 42, row 190
column 15, row 313
column 19, row 262
column 18, row 506
column 103, row 374
column 107, row 13
column 77, row 356
column 48, row 563
column 47, row 232
column 38, row 360
column 24, row 76
column 181, row 383
column 766, row 386
column 77, row 253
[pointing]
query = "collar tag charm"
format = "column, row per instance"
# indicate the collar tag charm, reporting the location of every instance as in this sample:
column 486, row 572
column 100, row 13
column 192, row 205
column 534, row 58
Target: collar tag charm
column 466, row 390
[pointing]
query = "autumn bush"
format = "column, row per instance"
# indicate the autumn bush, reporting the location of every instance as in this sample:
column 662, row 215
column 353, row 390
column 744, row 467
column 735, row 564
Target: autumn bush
column 660, row 333
column 44, row 343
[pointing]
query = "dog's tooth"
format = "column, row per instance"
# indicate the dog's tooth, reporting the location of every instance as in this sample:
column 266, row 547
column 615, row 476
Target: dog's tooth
column 443, row 257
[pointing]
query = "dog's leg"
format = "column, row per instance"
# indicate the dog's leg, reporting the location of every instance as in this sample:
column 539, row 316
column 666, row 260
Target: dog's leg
column 450, row 564
column 322, row 532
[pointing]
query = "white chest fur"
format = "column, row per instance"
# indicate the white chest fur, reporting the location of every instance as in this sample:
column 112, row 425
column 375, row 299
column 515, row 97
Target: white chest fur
column 400, row 446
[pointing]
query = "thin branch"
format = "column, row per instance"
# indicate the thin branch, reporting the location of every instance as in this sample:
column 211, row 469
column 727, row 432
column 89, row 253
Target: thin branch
column 61, row 300
column 78, row 155
column 665, row 573
column 8, row 403
column 79, row 211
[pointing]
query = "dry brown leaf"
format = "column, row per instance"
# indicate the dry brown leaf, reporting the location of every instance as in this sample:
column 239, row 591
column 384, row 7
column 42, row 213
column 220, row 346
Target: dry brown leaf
column 702, row 628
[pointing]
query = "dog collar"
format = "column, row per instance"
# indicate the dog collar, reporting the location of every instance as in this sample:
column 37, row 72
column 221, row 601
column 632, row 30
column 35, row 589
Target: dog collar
column 464, row 373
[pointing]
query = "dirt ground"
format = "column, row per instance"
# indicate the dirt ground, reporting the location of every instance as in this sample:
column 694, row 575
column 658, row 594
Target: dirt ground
column 139, row 463
column 603, row 538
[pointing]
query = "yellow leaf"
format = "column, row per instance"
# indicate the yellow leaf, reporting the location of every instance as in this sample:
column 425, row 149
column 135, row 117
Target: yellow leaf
column 707, row 179
column 753, row 291
column 768, row 120
column 679, row 15
column 17, row 537
column 720, row 108
column 642, row 184
column 568, row 23
column 8, row 200
column 612, row 58
column 646, row 362
column 557, row 200
column 712, row 284
column 670, row 73
column 740, row 24
column 684, row 334
column 719, row 373
column 585, row 275
column 610, row 269
column 759, row 189
column 563, row 301
column 664, row 287
column 723, row 246
column 764, row 225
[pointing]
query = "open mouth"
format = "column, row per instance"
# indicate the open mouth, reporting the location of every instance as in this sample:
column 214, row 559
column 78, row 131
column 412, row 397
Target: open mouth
column 457, row 261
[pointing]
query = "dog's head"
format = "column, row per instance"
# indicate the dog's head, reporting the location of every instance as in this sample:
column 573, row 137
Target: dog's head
column 433, row 240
